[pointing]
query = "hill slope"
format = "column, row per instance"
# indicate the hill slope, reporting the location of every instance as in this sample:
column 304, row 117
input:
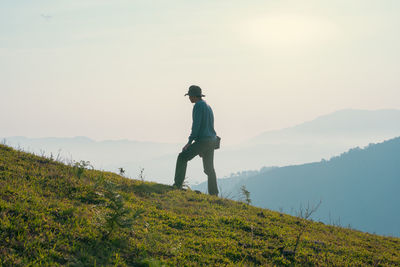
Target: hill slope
column 53, row 214
column 357, row 188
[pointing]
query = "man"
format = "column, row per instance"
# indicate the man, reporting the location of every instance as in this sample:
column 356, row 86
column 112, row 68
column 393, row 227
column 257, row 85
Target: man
column 204, row 137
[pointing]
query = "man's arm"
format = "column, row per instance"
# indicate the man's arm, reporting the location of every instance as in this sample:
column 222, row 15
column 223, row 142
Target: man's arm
column 197, row 117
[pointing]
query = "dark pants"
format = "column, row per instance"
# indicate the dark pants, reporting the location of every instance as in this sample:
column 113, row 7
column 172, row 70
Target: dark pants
column 204, row 148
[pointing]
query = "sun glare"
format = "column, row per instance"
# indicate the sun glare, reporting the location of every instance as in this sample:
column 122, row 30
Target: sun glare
column 287, row 30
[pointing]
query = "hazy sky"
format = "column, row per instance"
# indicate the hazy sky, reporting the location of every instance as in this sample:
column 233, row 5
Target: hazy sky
column 119, row 69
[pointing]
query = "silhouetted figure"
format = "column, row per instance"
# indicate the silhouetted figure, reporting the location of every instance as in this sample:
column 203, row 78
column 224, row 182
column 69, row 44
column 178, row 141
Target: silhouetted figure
column 205, row 139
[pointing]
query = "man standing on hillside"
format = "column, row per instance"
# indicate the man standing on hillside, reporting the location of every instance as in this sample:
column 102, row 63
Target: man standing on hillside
column 204, row 137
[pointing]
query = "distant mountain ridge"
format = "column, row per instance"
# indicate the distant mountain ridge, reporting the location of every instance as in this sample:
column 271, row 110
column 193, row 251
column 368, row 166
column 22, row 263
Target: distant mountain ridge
column 312, row 141
column 348, row 123
column 358, row 188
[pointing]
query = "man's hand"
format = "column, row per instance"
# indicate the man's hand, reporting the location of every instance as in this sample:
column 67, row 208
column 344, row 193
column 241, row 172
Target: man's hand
column 185, row 147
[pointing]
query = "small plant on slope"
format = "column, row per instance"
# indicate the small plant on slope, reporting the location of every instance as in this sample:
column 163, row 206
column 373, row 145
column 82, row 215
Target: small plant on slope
column 119, row 216
column 121, row 171
column 305, row 215
column 245, row 195
column 81, row 166
column 141, row 175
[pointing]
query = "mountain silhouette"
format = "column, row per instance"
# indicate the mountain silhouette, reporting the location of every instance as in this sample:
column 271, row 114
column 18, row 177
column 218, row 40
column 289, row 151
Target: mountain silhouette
column 348, row 126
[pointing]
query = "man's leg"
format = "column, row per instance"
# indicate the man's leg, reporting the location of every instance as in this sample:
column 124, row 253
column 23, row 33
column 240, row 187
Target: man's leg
column 208, row 164
column 181, row 163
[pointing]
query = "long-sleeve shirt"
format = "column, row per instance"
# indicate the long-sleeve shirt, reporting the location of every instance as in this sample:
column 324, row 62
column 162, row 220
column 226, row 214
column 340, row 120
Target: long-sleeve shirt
column 203, row 122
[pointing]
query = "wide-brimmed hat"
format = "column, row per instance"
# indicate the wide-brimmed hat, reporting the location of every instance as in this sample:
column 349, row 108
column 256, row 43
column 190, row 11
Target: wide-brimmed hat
column 194, row 90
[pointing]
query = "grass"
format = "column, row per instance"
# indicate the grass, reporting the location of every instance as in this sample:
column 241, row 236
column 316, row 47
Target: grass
column 53, row 214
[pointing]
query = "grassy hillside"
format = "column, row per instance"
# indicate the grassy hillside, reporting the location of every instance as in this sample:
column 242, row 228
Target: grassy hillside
column 53, row 214
column 357, row 188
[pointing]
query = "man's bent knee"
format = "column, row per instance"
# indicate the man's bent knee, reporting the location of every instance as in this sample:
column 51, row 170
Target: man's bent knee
column 182, row 157
column 210, row 171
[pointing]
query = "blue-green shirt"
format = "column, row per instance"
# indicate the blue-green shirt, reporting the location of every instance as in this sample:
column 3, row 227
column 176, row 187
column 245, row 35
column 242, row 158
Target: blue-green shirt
column 203, row 122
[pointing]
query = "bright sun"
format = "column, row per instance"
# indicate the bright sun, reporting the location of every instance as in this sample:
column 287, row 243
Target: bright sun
column 287, row 30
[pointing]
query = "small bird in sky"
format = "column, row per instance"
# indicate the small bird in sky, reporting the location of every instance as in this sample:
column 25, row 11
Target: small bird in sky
column 46, row 17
